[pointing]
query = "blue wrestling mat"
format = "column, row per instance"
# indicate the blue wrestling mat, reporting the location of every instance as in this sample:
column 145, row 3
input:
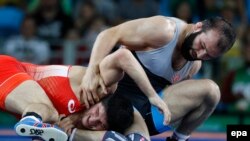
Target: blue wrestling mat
column 10, row 135
column 197, row 136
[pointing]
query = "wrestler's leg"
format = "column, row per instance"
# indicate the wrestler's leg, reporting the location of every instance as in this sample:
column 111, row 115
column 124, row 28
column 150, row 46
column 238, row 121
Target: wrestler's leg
column 30, row 97
column 191, row 102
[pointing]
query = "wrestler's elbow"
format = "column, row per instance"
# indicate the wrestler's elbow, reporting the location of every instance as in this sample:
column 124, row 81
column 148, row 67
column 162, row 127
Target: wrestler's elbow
column 124, row 58
column 111, row 34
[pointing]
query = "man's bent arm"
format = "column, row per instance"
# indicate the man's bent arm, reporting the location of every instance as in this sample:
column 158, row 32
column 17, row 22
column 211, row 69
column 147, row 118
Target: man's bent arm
column 139, row 34
column 112, row 68
column 136, row 35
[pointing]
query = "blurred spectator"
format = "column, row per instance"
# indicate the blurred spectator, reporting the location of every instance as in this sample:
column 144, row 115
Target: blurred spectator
column 164, row 8
column 183, row 11
column 236, row 85
column 73, row 35
column 107, row 9
column 66, row 6
column 231, row 11
column 133, row 9
column 89, row 23
column 84, row 15
column 247, row 9
column 22, row 4
column 234, row 12
column 11, row 17
column 98, row 24
column 207, row 8
column 70, row 47
column 26, row 46
column 52, row 22
column 232, row 59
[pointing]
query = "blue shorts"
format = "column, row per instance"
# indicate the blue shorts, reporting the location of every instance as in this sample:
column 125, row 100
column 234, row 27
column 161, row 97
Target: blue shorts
column 158, row 118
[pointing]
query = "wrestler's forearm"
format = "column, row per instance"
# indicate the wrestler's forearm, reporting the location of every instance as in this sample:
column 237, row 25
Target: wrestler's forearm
column 133, row 68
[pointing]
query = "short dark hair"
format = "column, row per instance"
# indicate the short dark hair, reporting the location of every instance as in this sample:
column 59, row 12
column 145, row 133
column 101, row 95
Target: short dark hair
column 224, row 28
column 120, row 112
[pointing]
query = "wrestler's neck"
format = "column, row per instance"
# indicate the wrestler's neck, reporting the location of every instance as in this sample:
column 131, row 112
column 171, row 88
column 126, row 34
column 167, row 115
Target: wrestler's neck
column 178, row 59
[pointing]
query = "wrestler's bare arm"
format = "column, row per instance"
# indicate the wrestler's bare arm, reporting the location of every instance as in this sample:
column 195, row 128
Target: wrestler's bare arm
column 114, row 65
column 140, row 34
column 136, row 34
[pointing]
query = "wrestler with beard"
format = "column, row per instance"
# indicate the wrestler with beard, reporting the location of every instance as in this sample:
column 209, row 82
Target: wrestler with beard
column 187, row 47
column 170, row 51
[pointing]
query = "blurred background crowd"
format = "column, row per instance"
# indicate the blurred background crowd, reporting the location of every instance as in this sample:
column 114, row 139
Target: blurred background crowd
column 63, row 32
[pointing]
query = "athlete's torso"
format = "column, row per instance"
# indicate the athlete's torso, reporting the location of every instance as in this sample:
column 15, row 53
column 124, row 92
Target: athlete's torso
column 157, row 64
column 59, row 84
column 159, row 61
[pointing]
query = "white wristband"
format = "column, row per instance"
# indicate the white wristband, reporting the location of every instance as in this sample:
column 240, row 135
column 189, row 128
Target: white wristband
column 72, row 135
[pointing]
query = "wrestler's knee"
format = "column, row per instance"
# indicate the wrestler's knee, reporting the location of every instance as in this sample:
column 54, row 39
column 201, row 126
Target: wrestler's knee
column 212, row 91
column 50, row 115
column 54, row 114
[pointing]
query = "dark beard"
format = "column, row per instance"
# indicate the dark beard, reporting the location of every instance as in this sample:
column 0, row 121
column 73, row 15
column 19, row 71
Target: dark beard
column 187, row 46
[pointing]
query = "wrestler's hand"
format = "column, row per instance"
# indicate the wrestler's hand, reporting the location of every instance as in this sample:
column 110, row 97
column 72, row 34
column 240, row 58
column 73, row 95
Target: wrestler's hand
column 66, row 124
column 89, row 86
column 162, row 106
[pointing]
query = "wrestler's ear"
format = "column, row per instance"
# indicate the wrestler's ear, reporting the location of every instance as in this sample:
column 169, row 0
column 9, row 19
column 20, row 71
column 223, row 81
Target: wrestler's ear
column 198, row 26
